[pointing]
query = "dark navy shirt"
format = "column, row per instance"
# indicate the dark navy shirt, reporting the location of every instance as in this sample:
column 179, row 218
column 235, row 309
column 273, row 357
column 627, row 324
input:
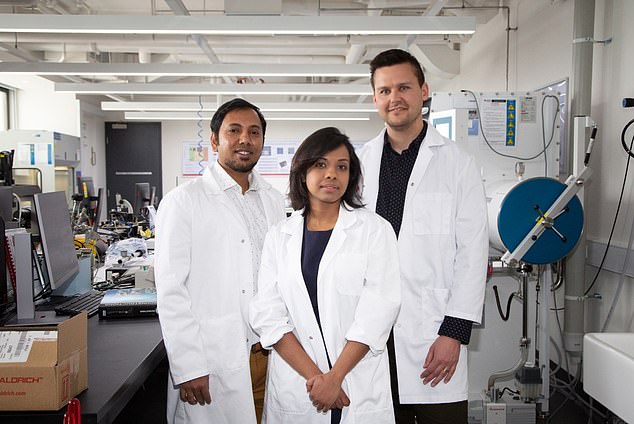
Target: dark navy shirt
column 313, row 246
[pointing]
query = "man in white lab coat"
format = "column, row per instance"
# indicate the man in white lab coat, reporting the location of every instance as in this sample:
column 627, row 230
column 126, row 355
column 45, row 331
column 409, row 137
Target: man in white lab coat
column 432, row 194
column 209, row 237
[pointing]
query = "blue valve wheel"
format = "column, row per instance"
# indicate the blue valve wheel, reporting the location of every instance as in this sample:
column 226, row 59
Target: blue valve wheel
column 520, row 211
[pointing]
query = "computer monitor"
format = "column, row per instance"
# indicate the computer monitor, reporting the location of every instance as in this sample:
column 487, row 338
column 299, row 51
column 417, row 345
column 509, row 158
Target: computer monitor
column 52, row 220
column 97, row 217
column 153, row 196
column 141, row 197
column 6, row 203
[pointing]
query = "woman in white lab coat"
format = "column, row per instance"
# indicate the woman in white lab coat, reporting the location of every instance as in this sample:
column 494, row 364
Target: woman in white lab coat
column 328, row 294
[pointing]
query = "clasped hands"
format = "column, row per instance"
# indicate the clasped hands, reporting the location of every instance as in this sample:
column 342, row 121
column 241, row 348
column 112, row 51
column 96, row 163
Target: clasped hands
column 326, row 393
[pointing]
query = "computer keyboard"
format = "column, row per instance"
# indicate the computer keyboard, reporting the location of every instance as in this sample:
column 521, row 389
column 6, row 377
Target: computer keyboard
column 88, row 302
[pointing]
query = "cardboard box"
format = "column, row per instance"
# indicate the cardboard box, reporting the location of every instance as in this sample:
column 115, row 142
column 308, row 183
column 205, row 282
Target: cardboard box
column 42, row 368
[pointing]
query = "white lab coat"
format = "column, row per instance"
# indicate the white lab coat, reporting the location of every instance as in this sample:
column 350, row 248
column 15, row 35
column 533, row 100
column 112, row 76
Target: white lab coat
column 443, row 247
column 204, row 282
column 358, row 297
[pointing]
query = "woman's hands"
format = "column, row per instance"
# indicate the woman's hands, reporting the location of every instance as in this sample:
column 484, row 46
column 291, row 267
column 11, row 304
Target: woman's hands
column 326, row 393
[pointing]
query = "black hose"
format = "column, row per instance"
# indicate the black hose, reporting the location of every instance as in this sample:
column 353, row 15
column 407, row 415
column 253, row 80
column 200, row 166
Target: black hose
column 508, row 304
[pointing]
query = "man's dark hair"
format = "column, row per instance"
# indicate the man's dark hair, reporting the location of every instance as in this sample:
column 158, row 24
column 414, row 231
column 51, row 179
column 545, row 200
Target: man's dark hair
column 313, row 148
column 396, row 57
column 225, row 108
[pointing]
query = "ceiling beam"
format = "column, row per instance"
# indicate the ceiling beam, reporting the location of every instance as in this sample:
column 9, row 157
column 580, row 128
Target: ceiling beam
column 246, row 25
column 213, row 106
column 207, row 89
column 186, row 69
column 270, row 116
column 435, row 7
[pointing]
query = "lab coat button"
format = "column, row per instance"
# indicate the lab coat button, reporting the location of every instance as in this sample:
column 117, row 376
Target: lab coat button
column 242, row 241
column 310, row 337
column 412, row 184
column 244, row 291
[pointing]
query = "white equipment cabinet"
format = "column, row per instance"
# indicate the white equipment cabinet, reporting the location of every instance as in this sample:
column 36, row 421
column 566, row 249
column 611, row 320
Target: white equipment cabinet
column 45, row 158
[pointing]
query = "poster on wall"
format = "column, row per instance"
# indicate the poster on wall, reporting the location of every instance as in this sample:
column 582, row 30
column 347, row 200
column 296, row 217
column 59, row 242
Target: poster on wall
column 276, row 158
column 196, row 157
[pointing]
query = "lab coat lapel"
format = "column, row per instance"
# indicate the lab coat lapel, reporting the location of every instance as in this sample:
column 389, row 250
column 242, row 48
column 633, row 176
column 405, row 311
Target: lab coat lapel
column 267, row 201
column 337, row 238
column 432, row 141
column 217, row 195
column 371, row 170
column 294, row 227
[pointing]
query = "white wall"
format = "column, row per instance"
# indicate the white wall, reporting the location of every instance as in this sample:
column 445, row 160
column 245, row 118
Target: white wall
column 612, row 80
column 39, row 107
column 93, row 148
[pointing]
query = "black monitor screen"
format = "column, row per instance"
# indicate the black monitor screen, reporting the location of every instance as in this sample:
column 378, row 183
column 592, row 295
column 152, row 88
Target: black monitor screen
column 97, row 217
column 141, row 197
column 6, row 203
column 53, row 223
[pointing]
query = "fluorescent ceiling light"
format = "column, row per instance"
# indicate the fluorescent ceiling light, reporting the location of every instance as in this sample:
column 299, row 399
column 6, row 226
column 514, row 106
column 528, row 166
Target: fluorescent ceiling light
column 237, row 25
column 270, row 116
column 212, row 107
column 212, row 89
column 185, row 69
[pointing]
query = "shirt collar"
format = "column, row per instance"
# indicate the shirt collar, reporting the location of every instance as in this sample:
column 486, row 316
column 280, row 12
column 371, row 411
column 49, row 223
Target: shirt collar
column 413, row 147
column 225, row 181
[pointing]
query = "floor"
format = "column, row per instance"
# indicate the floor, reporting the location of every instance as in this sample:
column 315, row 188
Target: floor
column 148, row 405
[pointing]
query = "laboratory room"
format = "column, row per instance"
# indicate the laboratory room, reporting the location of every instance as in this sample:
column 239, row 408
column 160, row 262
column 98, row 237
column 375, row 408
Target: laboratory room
column 316, row 211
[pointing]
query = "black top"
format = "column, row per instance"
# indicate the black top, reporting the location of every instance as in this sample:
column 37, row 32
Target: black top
column 394, row 175
column 313, row 246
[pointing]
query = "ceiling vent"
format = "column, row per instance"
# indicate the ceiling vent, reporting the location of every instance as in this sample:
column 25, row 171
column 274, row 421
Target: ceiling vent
column 250, row 7
column 106, row 57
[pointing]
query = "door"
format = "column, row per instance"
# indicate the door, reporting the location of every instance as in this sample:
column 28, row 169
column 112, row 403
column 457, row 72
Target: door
column 133, row 155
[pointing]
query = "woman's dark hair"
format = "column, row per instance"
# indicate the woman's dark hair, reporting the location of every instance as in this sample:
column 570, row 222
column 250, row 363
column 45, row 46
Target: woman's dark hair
column 225, row 108
column 313, row 148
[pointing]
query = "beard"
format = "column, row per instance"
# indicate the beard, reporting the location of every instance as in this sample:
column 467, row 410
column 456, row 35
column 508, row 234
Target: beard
column 239, row 166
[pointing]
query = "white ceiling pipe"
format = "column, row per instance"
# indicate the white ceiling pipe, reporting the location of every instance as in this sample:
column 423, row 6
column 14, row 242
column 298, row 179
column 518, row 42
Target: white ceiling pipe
column 270, row 116
column 186, row 69
column 212, row 106
column 309, row 25
column 207, row 89
column 144, row 40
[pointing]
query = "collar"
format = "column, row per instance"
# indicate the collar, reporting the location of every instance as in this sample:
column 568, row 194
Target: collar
column 226, row 182
column 295, row 223
column 414, row 145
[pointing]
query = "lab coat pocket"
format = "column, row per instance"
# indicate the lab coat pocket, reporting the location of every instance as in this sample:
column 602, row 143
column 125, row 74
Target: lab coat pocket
column 433, row 213
column 369, row 385
column 350, row 274
column 433, row 304
column 286, row 389
column 225, row 343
